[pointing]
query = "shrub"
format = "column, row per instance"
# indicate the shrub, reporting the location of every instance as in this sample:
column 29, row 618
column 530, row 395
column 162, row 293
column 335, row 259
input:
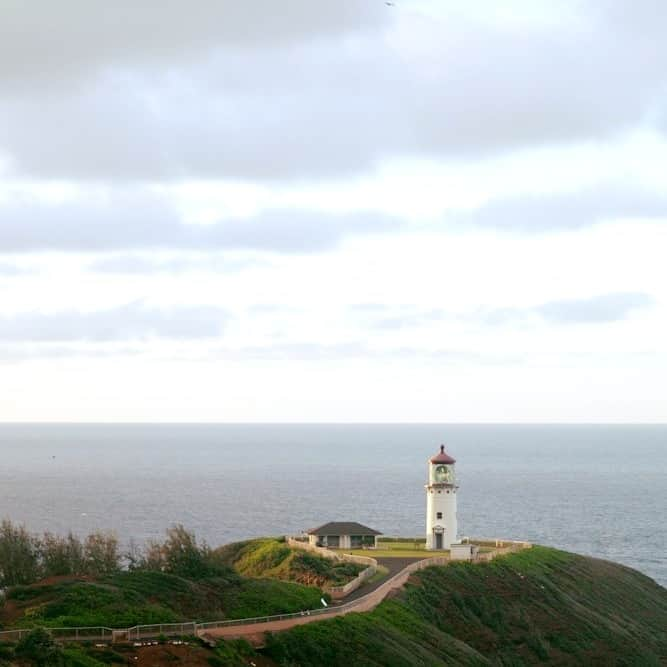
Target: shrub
column 38, row 647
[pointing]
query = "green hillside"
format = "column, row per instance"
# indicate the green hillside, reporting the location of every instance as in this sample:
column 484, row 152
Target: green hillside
column 271, row 557
column 143, row 597
column 537, row 606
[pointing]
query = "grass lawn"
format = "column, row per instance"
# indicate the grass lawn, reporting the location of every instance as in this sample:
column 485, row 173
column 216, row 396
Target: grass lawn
column 381, row 573
column 385, row 552
column 405, row 548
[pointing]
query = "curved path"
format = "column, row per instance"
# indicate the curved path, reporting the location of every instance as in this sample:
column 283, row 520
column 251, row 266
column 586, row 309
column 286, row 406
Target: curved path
column 365, row 598
column 393, row 567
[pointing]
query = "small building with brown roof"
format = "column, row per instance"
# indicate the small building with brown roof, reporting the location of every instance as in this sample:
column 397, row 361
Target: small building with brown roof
column 343, row 535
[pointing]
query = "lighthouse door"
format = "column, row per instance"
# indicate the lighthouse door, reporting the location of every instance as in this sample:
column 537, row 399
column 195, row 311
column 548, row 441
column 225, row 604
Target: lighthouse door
column 438, row 540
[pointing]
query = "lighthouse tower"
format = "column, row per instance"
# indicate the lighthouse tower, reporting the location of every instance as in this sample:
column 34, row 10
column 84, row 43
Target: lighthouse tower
column 441, row 501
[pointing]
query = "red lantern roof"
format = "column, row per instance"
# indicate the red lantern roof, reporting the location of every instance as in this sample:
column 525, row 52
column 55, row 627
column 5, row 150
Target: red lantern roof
column 442, row 457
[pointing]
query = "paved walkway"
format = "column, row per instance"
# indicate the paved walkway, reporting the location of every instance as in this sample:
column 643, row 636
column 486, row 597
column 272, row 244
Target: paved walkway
column 363, row 599
column 393, row 565
column 366, row 598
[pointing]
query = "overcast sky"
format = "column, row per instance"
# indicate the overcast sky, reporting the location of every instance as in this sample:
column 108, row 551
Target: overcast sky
column 263, row 211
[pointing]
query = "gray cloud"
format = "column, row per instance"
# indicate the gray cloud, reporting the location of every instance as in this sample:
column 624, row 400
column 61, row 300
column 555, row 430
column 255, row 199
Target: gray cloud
column 74, row 39
column 130, row 222
column 599, row 309
column 569, row 210
column 295, row 95
column 129, row 322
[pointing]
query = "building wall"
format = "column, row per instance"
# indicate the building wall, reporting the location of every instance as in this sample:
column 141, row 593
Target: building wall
column 440, row 498
column 333, row 541
column 344, row 541
column 464, row 552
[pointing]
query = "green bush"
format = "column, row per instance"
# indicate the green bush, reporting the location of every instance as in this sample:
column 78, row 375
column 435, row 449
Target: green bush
column 39, row 648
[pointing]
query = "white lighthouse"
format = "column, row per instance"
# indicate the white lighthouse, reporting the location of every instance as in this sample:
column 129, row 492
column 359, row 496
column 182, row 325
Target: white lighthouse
column 441, row 501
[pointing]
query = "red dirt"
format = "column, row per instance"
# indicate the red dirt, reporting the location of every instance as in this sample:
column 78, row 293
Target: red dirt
column 185, row 656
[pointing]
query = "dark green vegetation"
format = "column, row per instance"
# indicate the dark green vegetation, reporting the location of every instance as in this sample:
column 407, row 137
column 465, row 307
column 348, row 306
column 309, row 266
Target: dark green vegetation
column 40, row 650
column 536, row 606
column 138, row 598
column 171, row 581
column 26, row 558
column 271, row 557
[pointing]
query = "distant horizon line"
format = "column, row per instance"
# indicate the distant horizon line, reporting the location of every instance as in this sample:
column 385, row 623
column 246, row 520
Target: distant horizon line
column 324, row 423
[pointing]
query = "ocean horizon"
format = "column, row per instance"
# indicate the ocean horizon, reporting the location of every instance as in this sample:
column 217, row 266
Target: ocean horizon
column 595, row 489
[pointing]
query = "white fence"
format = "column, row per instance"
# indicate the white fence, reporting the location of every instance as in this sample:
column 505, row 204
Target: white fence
column 82, row 634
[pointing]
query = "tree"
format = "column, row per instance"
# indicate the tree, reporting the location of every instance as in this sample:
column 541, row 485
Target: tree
column 61, row 555
column 19, row 555
column 101, row 555
column 182, row 555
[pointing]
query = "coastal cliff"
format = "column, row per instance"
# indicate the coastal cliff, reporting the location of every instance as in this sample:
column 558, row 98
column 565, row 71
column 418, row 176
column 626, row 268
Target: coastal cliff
column 537, row 606
column 540, row 606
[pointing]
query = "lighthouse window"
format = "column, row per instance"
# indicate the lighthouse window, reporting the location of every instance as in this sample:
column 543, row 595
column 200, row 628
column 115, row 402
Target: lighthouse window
column 438, row 515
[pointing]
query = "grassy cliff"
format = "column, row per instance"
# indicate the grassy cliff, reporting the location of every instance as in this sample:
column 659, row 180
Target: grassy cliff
column 537, row 606
column 131, row 598
column 540, row 606
column 271, row 557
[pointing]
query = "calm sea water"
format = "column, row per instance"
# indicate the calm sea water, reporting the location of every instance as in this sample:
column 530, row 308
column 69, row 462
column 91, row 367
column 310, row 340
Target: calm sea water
column 598, row 490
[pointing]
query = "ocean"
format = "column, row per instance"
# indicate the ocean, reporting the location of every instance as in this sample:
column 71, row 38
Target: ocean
column 599, row 490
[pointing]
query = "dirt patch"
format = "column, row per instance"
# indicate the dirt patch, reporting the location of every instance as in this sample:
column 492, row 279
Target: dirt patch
column 185, row 655
column 168, row 654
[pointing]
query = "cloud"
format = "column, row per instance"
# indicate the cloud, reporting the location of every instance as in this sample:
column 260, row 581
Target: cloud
column 74, row 39
column 129, row 322
column 304, row 90
column 569, row 210
column 601, row 309
column 354, row 350
column 20, row 352
column 138, row 221
column 7, row 269
column 598, row 309
column 186, row 262
column 395, row 317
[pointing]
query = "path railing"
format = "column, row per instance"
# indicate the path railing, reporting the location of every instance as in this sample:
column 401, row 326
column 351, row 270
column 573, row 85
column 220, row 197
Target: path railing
column 363, row 603
column 82, row 634
column 139, row 632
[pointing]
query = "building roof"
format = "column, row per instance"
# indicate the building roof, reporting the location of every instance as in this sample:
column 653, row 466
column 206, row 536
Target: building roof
column 343, row 528
column 442, row 457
